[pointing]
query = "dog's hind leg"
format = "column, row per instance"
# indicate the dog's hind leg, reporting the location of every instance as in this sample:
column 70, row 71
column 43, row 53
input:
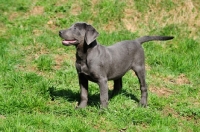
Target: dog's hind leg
column 117, row 86
column 140, row 72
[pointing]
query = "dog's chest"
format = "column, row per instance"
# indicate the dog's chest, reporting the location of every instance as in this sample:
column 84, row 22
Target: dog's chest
column 82, row 68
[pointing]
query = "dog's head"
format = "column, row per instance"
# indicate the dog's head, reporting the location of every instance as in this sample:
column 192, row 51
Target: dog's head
column 78, row 34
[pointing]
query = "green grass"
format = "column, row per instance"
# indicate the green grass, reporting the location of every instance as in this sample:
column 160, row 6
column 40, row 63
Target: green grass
column 44, row 63
column 38, row 81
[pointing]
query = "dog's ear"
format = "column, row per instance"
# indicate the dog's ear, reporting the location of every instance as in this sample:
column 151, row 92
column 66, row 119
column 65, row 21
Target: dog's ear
column 90, row 34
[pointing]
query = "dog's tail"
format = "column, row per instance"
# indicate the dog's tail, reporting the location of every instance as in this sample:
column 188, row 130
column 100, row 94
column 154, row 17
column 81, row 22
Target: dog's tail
column 151, row 38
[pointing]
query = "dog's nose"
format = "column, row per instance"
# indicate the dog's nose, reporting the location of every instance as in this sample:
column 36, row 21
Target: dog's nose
column 60, row 32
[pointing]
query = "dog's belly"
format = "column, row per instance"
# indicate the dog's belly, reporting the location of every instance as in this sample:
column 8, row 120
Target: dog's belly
column 95, row 80
column 117, row 71
column 116, row 75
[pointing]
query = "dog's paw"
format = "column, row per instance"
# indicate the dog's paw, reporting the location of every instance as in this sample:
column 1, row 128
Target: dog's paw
column 82, row 104
column 143, row 103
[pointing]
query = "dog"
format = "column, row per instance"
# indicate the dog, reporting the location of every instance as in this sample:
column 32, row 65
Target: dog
column 99, row 64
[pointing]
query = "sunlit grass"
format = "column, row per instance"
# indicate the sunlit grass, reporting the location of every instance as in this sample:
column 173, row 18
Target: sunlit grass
column 39, row 87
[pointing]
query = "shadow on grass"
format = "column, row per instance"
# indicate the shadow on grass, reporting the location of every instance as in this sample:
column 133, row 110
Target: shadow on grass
column 93, row 100
column 72, row 96
column 127, row 94
column 63, row 93
column 133, row 97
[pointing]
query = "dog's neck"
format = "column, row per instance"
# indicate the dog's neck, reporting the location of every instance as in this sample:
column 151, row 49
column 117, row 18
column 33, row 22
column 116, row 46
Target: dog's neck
column 93, row 44
column 82, row 49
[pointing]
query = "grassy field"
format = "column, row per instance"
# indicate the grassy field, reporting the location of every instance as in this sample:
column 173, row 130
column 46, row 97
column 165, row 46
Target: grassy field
column 38, row 82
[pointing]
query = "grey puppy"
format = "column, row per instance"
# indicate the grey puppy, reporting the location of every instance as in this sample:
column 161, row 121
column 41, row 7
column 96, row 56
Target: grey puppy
column 99, row 64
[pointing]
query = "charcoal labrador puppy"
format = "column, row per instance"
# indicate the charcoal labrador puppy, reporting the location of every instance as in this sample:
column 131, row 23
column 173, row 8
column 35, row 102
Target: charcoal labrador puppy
column 97, row 63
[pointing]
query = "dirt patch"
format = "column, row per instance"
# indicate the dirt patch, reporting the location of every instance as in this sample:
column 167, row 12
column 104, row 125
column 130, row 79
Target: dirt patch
column 180, row 80
column 161, row 92
column 37, row 10
column 14, row 15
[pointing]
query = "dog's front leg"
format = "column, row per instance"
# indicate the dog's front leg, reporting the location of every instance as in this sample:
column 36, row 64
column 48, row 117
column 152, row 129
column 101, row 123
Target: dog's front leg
column 83, row 82
column 103, row 92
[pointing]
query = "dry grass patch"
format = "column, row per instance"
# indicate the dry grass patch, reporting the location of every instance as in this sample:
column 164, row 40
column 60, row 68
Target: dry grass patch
column 110, row 26
column 168, row 111
column 37, row 32
column 51, row 24
column 3, row 29
column 36, row 51
column 94, row 2
column 185, row 13
column 182, row 79
column 2, row 117
column 61, row 58
column 161, row 92
column 76, row 8
column 93, row 9
column 131, row 17
column 14, row 15
column 36, row 10
column 179, row 80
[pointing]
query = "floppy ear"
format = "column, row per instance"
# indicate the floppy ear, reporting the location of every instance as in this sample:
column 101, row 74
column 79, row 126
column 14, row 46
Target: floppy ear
column 90, row 34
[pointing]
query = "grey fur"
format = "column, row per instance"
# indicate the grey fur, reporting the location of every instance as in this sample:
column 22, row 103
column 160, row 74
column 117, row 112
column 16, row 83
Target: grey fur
column 97, row 63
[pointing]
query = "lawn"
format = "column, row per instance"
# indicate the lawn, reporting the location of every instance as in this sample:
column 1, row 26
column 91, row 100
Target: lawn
column 38, row 81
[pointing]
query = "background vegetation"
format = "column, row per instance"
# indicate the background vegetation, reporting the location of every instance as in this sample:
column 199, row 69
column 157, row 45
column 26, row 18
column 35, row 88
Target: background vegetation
column 38, row 81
